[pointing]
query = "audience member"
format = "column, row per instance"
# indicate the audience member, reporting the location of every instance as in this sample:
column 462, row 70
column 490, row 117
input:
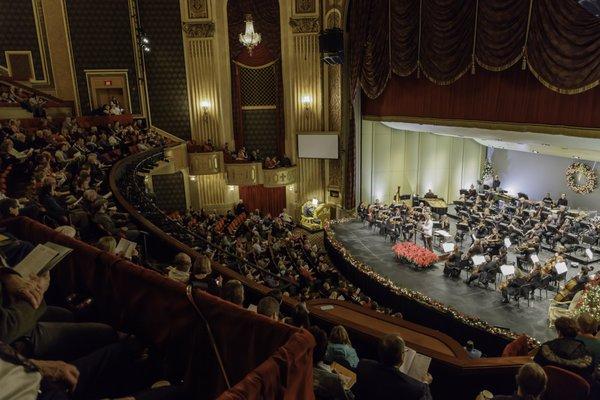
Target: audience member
column 472, row 352
column 233, row 292
column 566, row 351
column 384, row 380
column 340, row 348
column 531, row 383
column 180, row 269
column 326, row 383
column 587, row 330
column 269, row 307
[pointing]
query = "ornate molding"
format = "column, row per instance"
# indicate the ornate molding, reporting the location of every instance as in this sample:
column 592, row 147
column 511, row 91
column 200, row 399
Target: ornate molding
column 306, row 6
column 198, row 9
column 199, row 29
column 305, row 25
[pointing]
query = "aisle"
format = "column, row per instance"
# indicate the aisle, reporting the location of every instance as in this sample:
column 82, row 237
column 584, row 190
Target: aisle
column 373, row 250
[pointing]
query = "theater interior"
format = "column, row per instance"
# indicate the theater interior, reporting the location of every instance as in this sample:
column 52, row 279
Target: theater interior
column 299, row 199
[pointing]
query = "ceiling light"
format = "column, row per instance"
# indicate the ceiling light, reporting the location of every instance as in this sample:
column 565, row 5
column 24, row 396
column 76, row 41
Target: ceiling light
column 249, row 38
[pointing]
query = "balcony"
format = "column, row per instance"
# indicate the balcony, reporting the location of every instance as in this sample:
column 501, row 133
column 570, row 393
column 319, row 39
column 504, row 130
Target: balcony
column 206, row 163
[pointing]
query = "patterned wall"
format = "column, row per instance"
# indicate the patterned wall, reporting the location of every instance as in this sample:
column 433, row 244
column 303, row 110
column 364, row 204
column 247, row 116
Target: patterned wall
column 101, row 39
column 18, row 32
column 168, row 189
column 165, row 66
column 260, row 127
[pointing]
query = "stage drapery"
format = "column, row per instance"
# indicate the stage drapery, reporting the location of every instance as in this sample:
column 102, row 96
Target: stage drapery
column 559, row 40
column 268, row 200
column 511, row 96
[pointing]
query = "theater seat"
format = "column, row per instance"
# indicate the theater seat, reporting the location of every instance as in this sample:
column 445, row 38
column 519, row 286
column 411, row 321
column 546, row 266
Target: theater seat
column 563, row 384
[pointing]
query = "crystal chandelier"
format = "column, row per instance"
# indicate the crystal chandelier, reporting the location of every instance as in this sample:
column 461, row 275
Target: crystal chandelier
column 250, row 38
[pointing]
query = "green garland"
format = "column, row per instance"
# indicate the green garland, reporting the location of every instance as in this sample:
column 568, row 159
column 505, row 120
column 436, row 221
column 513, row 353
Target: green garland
column 488, row 170
column 590, row 301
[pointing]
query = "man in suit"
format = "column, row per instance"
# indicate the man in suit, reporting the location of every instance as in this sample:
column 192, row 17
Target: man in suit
column 384, row 380
column 562, row 201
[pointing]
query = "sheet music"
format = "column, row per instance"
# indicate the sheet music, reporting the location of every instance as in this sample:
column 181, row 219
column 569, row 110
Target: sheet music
column 415, row 365
column 589, row 253
column 478, row 260
column 560, row 267
column 534, row 258
column 448, row 247
column 507, row 242
column 507, row 269
column 125, row 248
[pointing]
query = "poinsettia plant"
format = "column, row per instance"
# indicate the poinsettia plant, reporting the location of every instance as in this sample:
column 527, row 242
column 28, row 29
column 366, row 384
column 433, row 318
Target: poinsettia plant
column 413, row 254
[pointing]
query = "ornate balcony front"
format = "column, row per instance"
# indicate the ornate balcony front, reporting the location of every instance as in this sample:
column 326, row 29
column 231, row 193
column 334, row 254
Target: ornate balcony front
column 244, row 174
column 206, row 163
column 280, row 176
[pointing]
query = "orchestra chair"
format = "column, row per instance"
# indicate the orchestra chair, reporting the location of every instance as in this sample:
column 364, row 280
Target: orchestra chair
column 543, row 285
column 524, row 291
column 563, row 384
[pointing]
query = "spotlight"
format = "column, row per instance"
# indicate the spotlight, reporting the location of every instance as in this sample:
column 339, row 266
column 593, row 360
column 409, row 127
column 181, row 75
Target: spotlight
column 145, row 40
column 146, row 49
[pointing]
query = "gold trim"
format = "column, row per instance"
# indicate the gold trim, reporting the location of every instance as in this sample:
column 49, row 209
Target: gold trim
column 259, row 67
column 143, row 104
column 305, row 25
column 249, row 108
column 199, row 29
column 508, row 126
column 9, row 65
column 559, row 90
column 71, row 58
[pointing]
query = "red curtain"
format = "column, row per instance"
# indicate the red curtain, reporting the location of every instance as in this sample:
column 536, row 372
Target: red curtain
column 559, row 40
column 512, row 96
column 267, row 200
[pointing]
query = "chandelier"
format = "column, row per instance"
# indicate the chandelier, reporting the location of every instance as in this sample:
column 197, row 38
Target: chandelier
column 250, row 38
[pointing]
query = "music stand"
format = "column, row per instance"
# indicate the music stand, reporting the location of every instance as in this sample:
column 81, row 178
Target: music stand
column 507, row 269
column 478, row 260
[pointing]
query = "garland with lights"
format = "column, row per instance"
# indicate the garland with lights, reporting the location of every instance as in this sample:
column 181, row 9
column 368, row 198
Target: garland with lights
column 414, row 295
column 591, row 180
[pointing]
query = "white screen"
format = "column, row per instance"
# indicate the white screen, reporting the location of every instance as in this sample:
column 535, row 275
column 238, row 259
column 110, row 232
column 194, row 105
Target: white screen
column 318, row 146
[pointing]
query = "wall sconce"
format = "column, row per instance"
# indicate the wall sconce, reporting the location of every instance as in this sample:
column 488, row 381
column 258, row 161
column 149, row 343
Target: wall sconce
column 193, row 178
column 205, row 105
column 306, row 103
column 231, row 188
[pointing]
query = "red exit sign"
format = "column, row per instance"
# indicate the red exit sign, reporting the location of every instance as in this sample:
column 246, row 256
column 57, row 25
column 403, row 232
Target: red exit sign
column 107, row 83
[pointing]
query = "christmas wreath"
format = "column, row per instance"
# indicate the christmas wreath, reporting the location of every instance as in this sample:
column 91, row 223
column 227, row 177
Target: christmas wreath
column 581, row 178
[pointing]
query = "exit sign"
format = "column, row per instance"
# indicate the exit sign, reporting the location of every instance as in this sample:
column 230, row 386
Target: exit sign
column 107, row 83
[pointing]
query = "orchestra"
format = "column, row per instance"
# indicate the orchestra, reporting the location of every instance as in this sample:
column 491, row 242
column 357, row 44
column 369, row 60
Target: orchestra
column 489, row 221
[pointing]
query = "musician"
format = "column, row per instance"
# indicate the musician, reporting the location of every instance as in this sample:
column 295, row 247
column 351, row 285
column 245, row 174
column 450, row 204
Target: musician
column 562, row 201
column 427, row 232
column 512, row 286
column 445, row 223
column 496, row 183
column 430, row 195
column 452, row 264
column 476, row 248
column 547, row 200
column 472, row 191
column 486, row 272
column 361, row 210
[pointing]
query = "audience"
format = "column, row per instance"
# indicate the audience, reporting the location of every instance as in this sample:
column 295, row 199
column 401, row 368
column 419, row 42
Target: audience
column 531, row 383
column 269, row 307
column 326, row 383
column 472, row 352
column 180, row 270
column 340, row 348
column 566, row 351
column 587, row 330
column 382, row 380
column 233, row 292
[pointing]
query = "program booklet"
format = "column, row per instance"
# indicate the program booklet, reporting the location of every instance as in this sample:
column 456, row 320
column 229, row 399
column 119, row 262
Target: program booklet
column 125, row 248
column 348, row 377
column 415, row 365
column 42, row 258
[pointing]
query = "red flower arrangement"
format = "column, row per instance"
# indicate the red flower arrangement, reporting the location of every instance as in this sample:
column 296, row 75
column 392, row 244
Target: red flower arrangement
column 415, row 255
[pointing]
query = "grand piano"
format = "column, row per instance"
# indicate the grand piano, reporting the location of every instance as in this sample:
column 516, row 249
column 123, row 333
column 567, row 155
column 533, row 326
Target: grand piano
column 437, row 205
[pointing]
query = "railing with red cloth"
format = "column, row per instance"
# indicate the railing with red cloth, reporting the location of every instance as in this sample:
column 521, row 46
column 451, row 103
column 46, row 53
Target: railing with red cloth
column 263, row 359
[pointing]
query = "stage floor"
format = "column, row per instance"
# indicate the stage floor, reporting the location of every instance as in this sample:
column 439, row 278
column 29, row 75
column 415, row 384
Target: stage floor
column 486, row 304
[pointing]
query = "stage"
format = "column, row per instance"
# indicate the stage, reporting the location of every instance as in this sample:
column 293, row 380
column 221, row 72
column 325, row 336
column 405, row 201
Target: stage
column 372, row 249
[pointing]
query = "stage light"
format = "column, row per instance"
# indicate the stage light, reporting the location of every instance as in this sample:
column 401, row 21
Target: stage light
column 146, row 48
column 145, row 40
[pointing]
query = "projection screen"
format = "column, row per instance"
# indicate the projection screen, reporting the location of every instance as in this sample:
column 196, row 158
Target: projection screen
column 318, row 145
